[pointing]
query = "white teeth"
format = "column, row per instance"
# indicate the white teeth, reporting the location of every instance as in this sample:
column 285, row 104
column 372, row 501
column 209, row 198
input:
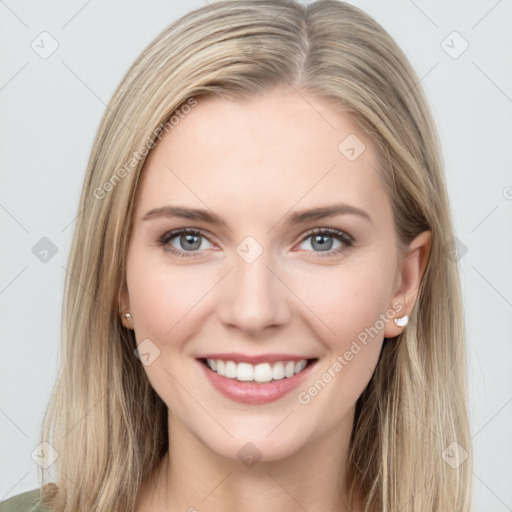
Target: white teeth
column 299, row 366
column 230, row 370
column 244, row 371
column 278, row 371
column 263, row 372
column 220, row 367
column 289, row 369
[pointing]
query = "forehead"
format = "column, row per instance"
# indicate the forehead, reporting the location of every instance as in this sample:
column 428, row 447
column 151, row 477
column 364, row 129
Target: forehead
column 261, row 157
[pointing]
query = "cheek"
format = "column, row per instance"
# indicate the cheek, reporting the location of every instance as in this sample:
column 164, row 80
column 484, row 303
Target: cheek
column 350, row 306
column 156, row 304
column 349, row 302
column 346, row 299
column 164, row 298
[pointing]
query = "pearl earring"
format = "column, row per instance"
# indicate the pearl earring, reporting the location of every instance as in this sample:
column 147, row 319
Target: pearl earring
column 401, row 322
column 128, row 316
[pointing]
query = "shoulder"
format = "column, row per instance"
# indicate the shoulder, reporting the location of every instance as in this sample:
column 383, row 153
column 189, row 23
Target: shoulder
column 29, row 501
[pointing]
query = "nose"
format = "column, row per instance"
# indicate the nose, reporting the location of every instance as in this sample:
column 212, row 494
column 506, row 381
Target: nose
column 254, row 297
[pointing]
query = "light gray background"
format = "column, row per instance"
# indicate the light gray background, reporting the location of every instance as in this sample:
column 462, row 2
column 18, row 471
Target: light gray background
column 51, row 109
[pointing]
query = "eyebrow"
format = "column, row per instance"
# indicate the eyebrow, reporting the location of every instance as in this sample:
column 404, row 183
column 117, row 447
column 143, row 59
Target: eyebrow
column 296, row 217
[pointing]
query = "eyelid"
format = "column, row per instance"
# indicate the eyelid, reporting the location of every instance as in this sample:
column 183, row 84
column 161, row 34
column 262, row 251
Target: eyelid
column 173, row 233
column 331, row 231
column 345, row 238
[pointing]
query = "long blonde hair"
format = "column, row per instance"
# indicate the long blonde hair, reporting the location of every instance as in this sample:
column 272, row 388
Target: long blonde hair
column 107, row 424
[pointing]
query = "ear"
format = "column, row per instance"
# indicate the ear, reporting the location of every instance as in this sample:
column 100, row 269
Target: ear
column 410, row 274
column 124, row 305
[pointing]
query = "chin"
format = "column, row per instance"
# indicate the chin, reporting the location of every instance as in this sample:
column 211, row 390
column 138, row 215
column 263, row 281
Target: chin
column 263, row 443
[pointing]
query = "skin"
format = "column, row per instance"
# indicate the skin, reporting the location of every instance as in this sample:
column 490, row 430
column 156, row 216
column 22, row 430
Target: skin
column 253, row 163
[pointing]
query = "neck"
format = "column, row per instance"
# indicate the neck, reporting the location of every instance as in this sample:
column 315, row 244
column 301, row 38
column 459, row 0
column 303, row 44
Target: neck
column 191, row 477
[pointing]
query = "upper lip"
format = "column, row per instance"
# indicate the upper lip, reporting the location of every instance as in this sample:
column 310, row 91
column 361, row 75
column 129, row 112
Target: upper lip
column 254, row 359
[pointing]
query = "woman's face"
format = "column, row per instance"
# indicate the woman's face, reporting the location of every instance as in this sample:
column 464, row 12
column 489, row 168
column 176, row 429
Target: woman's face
column 259, row 285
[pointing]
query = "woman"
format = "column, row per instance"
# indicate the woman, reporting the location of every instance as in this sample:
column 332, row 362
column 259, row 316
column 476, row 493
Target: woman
column 261, row 311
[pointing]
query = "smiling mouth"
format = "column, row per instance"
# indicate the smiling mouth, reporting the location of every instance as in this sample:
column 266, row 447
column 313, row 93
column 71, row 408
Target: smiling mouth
column 257, row 373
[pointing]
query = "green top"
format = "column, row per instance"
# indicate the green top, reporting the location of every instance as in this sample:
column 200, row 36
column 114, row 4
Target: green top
column 25, row 502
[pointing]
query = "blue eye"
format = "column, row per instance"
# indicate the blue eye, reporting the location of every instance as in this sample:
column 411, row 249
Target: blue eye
column 322, row 239
column 191, row 241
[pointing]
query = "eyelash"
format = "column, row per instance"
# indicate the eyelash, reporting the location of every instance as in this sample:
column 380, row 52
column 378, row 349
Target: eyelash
column 344, row 238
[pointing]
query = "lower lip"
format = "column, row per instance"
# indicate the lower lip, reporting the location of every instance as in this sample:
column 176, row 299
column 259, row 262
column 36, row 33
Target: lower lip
column 255, row 393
